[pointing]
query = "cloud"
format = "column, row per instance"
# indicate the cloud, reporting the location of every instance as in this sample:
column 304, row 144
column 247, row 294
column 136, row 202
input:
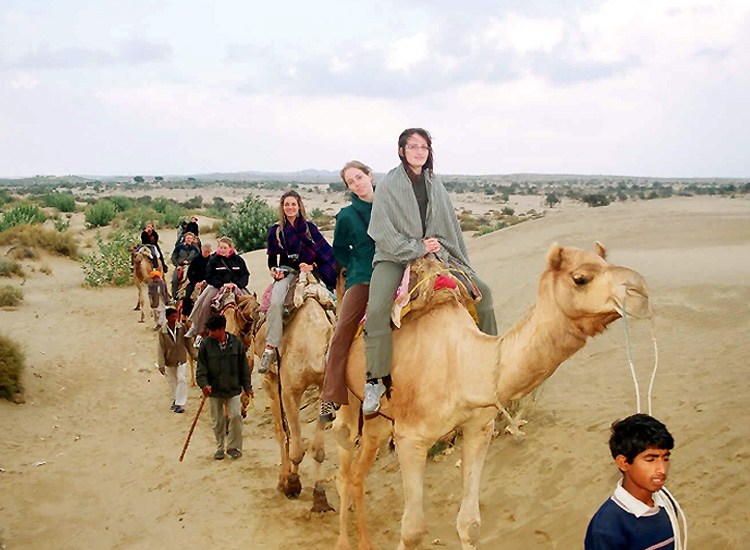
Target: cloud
column 134, row 52
column 24, row 81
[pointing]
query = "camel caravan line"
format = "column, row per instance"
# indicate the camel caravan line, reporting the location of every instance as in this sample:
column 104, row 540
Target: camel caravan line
column 473, row 378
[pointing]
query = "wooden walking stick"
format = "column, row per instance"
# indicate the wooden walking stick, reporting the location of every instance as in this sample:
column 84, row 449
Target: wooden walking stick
column 190, row 433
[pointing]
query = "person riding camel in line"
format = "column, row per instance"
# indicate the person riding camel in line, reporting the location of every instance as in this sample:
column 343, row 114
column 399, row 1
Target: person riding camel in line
column 150, row 237
column 354, row 250
column 226, row 267
column 294, row 245
column 192, row 227
column 182, row 255
column 412, row 216
column 196, row 274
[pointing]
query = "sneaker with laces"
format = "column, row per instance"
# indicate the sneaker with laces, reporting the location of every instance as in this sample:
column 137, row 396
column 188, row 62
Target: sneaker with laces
column 373, row 392
column 198, row 340
column 266, row 360
column 191, row 331
column 327, row 411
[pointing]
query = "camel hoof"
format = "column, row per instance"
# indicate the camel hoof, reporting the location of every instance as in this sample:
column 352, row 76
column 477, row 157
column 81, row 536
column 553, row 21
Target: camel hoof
column 514, row 427
column 293, row 486
column 320, row 456
column 320, row 501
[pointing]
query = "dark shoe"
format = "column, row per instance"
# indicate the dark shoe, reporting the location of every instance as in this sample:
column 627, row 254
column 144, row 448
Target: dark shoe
column 373, row 392
column 179, row 409
column 219, row 455
column 234, row 453
column 327, row 411
column 172, row 407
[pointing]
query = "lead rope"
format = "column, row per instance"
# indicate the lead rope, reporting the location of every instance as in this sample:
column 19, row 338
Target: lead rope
column 671, row 502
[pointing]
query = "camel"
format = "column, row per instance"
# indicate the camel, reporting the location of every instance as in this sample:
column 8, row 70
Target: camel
column 143, row 263
column 446, row 374
column 302, row 364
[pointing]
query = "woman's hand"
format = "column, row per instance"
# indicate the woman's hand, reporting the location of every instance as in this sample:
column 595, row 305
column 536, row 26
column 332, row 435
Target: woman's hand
column 305, row 268
column 277, row 274
column 431, row 246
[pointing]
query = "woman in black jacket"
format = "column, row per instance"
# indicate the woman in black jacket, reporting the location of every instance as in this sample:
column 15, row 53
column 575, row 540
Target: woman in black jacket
column 150, row 237
column 226, row 267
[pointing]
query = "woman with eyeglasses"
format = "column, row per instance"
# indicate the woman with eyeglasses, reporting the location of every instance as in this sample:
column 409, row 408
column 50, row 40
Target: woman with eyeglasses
column 412, row 216
column 294, row 245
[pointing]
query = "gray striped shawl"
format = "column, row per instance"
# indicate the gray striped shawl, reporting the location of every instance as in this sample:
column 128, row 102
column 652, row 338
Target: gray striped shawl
column 396, row 227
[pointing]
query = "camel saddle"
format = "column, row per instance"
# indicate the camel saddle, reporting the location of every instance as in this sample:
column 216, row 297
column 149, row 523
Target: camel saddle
column 307, row 286
column 225, row 298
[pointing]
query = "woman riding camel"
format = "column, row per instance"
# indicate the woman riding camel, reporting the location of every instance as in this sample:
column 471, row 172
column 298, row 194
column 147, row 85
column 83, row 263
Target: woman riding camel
column 150, row 237
column 226, row 267
column 412, row 216
column 354, row 250
column 294, row 245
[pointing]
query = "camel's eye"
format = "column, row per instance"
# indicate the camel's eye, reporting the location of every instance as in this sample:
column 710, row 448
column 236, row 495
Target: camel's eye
column 581, row 280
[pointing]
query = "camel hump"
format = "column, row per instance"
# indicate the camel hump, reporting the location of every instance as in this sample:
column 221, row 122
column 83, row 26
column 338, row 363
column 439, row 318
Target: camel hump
column 428, row 283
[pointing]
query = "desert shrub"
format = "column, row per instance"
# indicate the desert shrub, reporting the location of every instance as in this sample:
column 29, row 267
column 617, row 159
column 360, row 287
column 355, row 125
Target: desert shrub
column 219, row 208
column 322, row 220
column 35, row 236
column 64, row 202
column 22, row 214
column 597, row 199
column 62, row 225
column 22, row 253
column 10, row 296
column 193, row 203
column 490, row 228
column 12, row 363
column 121, row 203
column 249, row 224
column 110, row 265
column 5, row 197
column 135, row 219
column 8, row 268
column 47, row 270
column 507, row 211
column 101, row 213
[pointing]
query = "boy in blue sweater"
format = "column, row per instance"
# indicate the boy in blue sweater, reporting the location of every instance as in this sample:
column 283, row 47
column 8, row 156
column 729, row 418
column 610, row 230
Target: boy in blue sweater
column 639, row 515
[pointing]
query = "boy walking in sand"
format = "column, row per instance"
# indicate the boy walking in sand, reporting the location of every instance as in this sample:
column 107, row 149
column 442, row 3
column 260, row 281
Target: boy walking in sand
column 639, row 515
column 171, row 359
column 222, row 374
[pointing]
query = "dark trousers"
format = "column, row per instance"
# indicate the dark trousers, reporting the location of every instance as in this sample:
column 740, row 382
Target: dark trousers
column 351, row 311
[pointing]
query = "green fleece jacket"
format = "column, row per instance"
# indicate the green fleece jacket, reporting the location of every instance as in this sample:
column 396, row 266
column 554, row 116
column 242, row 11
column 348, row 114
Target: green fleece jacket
column 226, row 371
column 352, row 246
column 396, row 226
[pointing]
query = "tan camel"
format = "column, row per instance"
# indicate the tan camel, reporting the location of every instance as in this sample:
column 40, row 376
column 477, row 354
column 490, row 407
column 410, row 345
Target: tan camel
column 302, row 364
column 142, row 267
column 447, row 374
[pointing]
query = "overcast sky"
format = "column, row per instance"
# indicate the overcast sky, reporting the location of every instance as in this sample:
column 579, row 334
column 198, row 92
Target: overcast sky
column 157, row 87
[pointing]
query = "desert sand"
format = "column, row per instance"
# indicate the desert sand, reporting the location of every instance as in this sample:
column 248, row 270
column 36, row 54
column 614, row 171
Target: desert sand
column 91, row 459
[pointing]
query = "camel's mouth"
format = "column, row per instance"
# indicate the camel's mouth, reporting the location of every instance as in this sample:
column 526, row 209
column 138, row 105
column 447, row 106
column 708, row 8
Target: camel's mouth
column 633, row 303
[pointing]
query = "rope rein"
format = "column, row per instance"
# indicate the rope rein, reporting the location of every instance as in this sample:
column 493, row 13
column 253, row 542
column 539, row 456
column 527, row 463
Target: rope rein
column 671, row 502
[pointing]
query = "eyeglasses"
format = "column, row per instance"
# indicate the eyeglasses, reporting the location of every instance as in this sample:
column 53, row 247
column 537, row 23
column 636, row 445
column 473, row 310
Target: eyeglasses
column 414, row 147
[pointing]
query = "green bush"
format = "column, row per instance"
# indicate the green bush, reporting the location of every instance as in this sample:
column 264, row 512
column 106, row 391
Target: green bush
column 36, row 236
column 12, row 363
column 62, row 225
column 508, row 211
column 64, row 202
column 596, row 199
column 219, row 208
column 136, row 218
column 111, row 264
column 8, row 268
column 10, row 296
column 101, row 213
column 249, row 224
column 121, row 203
column 22, row 214
column 193, row 203
column 5, row 197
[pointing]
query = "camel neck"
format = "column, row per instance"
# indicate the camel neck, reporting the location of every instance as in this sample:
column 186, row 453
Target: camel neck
column 532, row 349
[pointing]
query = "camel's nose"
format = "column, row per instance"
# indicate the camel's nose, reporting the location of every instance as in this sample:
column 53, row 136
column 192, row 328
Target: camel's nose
column 634, row 296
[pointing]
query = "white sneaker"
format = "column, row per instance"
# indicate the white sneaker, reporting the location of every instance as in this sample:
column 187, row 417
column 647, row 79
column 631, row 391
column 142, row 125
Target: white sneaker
column 190, row 332
column 266, row 360
column 373, row 393
column 198, row 340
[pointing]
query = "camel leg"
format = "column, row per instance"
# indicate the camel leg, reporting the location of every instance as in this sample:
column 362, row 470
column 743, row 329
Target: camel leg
column 139, row 305
column 291, row 398
column 345, row 431
column 412, row 456
column 374, row 432
column 320, row 500
column 474, row 447
column 270, row 385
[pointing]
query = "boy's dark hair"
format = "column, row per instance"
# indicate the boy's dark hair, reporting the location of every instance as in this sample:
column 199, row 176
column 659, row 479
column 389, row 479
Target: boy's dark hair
column 215, row 322
column 634, row 434
column 170, row 311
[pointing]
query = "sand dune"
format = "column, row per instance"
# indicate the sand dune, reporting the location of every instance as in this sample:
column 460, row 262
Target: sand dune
column 97, row 410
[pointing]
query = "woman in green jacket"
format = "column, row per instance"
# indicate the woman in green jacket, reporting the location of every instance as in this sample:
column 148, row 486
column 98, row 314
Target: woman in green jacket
column 354, row 250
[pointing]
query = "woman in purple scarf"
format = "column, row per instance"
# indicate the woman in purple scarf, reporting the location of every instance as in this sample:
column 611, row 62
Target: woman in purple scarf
column 294, row 245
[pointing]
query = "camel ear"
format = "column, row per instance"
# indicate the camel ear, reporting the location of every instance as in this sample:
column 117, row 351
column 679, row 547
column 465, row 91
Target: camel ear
column 600, row 250
column 554, row 257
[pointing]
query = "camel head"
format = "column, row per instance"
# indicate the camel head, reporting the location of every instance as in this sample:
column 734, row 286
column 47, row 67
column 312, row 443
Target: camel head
column 590, row 291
